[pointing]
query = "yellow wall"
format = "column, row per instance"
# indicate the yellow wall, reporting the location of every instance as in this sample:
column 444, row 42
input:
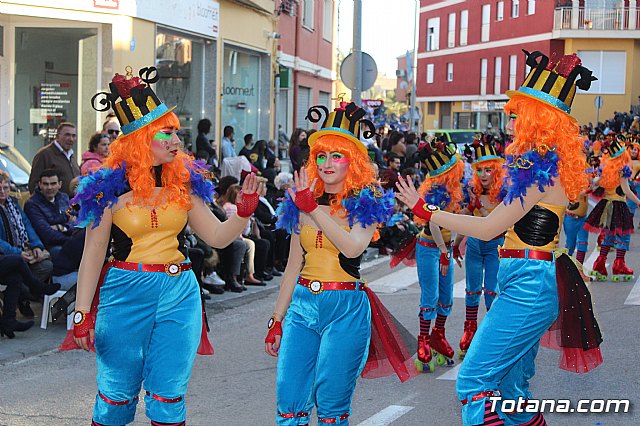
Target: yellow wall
column 583, row 108
column 143, row 55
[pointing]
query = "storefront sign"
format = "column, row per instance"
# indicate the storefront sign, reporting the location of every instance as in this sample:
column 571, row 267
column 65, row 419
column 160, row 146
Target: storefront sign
column 199, row 16
column 54, row 99
column 373, row 103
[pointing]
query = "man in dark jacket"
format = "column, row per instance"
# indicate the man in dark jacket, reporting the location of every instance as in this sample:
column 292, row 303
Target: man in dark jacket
column 57, row 155
column 47, row 211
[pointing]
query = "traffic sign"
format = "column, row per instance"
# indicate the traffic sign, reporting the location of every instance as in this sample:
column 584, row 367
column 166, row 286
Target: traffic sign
column 369, row 71
column 598, row 102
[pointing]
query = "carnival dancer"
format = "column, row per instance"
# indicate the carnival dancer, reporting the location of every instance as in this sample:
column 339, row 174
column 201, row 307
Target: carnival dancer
column 481, row 264
column 330, row 315
column 441, row 187
column 575, row 216
column 611, row 216
column 149, row 315
column 545, row 168
column 633, row 145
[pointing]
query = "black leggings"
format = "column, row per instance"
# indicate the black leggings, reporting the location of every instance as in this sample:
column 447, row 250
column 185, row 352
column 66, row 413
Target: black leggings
column 15, row 271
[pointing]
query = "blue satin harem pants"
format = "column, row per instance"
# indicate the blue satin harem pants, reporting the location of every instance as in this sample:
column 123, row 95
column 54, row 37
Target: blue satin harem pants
column 436, row 290
column 502, row 353
column 147, row 330
column 575, row 234
column 324, row 347
column 481, row 266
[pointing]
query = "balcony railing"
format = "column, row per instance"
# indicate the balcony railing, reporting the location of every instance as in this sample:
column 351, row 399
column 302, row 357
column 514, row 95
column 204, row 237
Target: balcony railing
column 568, row 18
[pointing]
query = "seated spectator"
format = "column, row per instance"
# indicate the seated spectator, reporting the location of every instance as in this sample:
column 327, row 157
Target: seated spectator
column 14, row 272
column 389, row 176
column 97, row 152
column 47, row 211
column 17, row 236
column 203, row 145
column 259, row 251
column 266, row 219
column 248, row 144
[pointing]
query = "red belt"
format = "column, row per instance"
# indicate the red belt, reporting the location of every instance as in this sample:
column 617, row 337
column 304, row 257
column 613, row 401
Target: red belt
column 317, row 287
column 481, row 395
column 171, row 269
column 525, row 254
column 573, row 215
column 431, row 244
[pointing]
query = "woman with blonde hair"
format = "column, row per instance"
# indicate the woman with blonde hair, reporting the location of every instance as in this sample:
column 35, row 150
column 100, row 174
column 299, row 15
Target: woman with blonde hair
column 545, row 170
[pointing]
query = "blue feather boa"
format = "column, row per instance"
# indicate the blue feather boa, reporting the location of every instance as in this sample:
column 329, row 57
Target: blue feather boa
column 625, row 172
column 371, row 205
column 101, row 188
column 533, row 170
column 437, row 195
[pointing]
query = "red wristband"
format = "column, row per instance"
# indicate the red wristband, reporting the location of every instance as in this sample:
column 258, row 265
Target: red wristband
column 445, row 258
column 247, row 204
column 306, row 201
column 82, row 323
column 275, row 329
column 424, row 210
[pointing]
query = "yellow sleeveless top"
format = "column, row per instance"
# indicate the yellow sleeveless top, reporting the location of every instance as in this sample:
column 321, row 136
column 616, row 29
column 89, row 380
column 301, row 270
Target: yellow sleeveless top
column 580, row 207
column 144, row 235
column 615, row 194
column 539, row 229
column 322, row 260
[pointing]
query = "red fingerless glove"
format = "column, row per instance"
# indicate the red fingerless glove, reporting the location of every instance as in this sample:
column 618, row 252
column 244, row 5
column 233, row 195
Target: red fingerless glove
column 445, row 258
column 456, row 252
column 475, row 205
column 247, row 204
column 275, row 329
column 424, row 210
column 305, row 200
column 82, row 323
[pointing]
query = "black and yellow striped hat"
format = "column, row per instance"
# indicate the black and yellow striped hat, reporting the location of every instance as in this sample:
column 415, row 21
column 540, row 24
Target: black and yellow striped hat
column 482, row 149
column 139, row 104
column 345, row 121
column 437, row 157
column 554, row 82
column 616, row 144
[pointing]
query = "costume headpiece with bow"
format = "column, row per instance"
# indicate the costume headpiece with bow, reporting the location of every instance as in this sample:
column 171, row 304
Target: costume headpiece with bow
column 438, row 157
column 482, row 149
column 139, row 104
column 345, row 121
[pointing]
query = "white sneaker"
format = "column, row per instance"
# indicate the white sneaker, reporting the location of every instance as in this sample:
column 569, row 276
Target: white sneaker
column 205, row 291
column 213, row 279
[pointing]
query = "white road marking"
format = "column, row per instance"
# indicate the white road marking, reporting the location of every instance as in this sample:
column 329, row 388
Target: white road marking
column 459, row 289
column 452, row 372
column 395, row 281
column 386, row 416
column 634, row 295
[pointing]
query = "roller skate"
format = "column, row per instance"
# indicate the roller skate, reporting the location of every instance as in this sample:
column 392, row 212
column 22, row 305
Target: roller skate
column 440, row 348
column 424, row 362
column 470, row 328
column 600, row 269
column 620, row 271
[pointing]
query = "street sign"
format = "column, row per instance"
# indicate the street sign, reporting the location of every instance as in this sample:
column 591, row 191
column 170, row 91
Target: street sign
column 369, row 71
column 598, row 102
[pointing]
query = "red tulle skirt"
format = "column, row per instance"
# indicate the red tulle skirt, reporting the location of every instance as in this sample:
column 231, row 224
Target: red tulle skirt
column 610, row 217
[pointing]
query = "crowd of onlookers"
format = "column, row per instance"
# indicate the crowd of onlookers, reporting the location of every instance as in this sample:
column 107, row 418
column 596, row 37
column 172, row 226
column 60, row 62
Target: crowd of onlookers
column 40, row 249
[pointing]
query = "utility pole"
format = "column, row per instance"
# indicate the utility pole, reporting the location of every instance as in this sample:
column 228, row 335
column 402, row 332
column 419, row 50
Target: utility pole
column 412, row 71
column 357, row 51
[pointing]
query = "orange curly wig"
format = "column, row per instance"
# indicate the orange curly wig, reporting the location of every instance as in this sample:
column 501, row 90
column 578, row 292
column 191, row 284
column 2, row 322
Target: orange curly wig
column 361, row 172
column 496, row 180
column 451, row 180
column 538, row 126
column 611, row 167
column 135, row 150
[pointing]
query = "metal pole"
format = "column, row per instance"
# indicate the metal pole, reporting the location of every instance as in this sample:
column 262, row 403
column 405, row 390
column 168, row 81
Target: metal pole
column 357, row 51
column 413, row 73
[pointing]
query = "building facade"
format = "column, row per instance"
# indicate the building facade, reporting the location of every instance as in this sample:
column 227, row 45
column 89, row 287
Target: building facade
column 470, row 54
column 306, row 59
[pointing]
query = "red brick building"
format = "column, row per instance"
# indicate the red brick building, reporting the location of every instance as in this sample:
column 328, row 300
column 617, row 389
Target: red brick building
column 305, row 58
column 470, row 53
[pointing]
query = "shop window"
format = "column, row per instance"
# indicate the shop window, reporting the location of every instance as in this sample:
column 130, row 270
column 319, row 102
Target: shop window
column 241, row 93
column 180, row 66
column 54, row 69
column 307, row 13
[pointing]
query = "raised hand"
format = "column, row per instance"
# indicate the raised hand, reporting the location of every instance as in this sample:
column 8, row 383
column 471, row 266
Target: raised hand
column 407, row 192
column 303, row 195
column 249, row 196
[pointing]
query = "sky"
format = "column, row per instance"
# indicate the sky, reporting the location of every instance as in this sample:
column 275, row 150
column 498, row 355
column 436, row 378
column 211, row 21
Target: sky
column 387, row 30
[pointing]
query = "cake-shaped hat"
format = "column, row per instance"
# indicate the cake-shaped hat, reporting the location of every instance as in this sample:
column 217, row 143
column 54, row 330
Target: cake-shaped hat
column 345, row 121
